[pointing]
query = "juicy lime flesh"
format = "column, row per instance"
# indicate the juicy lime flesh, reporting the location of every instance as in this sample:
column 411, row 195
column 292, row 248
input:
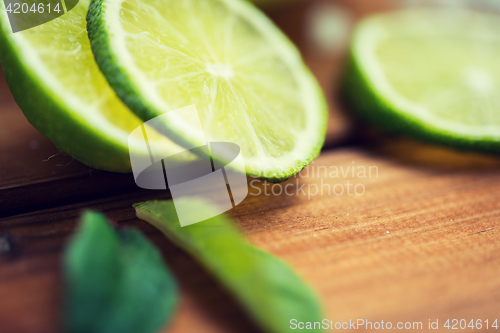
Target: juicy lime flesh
column 445, row 62
column 199, row 52
column 456, row 77
column 62, row 46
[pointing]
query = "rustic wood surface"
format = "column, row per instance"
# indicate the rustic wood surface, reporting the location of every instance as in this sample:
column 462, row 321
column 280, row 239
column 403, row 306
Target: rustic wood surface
column 421, row 242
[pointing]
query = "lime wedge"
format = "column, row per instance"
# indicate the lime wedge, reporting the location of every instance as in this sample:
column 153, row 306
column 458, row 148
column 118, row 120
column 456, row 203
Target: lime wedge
column 52, row 74
column 430, row 73
column 247, row 81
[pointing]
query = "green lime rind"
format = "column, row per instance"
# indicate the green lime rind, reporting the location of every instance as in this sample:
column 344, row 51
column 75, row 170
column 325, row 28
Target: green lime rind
column 362, row 95
column 48, row 114
column 105, row 57
column 301, row 164
column 126, row 89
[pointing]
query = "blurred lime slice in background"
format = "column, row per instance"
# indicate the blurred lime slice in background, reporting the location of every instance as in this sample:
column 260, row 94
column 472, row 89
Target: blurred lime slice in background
column 52, row 74
column 246, row 79
column 433, row 74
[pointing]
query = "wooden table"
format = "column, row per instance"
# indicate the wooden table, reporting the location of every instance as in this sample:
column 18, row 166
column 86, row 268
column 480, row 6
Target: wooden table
column 418, row 242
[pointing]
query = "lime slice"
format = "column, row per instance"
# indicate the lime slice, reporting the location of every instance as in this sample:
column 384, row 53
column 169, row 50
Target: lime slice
column 246, row 79
column 430, row 73
column 52, row 74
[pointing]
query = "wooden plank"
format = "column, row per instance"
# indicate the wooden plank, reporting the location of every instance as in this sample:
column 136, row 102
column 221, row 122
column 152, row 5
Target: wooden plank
column 421, row 243
column 38, row 239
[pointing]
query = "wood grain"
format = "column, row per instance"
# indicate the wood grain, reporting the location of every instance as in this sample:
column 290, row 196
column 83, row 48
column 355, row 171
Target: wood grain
column 420, row 243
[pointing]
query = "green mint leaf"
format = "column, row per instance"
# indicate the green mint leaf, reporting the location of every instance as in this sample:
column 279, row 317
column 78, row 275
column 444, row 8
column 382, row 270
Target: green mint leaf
column 116, row 281
column 265, row 286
